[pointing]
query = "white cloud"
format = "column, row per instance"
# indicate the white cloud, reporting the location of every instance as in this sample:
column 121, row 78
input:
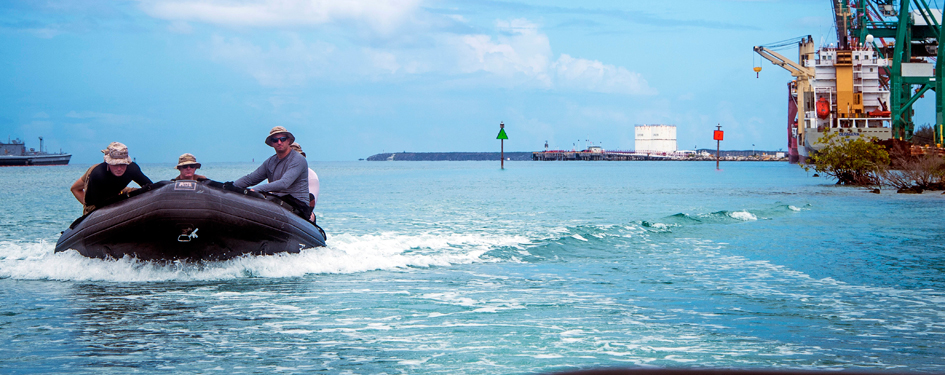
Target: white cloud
column 292, row 64
column 383, row 16
column 593, row 75
column 517, row 55
column 522, row 51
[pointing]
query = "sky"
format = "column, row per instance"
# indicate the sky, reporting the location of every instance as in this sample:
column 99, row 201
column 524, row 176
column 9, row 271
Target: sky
column 355, row 78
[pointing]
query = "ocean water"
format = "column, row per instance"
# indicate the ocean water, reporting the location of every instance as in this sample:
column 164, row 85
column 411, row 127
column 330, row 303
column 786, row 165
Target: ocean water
column 463, row 268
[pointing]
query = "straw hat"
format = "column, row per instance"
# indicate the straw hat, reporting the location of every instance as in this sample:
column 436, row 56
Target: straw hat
column 116, row 154
column 297, row 148
column 187, row 159
column 279, row 130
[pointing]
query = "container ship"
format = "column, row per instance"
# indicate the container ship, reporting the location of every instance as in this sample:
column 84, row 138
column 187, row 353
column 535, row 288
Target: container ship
column 837, row 90
column 14, row 153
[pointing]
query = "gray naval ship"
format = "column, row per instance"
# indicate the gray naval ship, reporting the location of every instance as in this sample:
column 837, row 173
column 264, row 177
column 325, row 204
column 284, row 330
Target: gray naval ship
column 15, row 153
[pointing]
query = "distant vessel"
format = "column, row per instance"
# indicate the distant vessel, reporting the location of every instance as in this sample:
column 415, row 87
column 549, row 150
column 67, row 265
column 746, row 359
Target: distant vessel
column 15, row 153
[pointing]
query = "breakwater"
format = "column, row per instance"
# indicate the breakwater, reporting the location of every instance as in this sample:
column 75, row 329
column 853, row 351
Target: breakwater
column 448, row 156
column 698, row 155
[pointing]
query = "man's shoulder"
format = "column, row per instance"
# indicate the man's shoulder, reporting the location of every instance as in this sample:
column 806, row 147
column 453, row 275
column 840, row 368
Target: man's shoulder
column 298, row 159
column 96, row 170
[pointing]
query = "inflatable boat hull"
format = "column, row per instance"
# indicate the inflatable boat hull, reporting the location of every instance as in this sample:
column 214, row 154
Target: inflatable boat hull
column 191, row 220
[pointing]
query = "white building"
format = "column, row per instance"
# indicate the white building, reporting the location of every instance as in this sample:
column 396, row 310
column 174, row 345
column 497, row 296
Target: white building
column 655, row 138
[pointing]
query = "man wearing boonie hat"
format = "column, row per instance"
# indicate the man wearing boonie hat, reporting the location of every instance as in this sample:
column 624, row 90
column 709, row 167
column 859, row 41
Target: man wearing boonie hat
column 104, row 181
column 187, row 165
column 313, row 184
column 286, row 172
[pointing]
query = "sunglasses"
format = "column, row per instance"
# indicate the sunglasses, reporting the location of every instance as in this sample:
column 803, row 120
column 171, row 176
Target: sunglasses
column 278, row 139
column 194, row 166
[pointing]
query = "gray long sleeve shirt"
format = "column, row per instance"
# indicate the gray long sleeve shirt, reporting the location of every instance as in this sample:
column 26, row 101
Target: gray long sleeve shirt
column 286, row 176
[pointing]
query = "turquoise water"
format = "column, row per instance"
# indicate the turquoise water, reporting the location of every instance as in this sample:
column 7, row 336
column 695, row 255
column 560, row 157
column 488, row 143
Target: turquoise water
column 460, row 267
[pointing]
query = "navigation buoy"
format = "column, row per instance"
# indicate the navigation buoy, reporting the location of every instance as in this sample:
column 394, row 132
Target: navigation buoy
column 823, row 108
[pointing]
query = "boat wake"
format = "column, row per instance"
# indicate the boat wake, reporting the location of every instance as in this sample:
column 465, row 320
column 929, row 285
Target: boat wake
column 345, row 254
column 389, row 250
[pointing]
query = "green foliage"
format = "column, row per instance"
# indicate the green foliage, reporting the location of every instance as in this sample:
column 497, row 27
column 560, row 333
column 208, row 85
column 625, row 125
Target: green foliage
column 852, row 161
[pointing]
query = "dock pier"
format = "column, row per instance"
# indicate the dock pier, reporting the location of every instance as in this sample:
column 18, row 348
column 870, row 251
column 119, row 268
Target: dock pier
column 593, row 155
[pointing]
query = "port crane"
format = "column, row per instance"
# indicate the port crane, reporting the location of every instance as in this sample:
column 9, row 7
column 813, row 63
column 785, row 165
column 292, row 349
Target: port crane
column 914, row 53
column 800, row 90
column 907, row 33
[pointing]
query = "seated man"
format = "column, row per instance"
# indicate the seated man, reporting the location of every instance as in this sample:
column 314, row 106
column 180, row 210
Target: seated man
column 313, row 184
column 286, row 172
column 104, row 181
column 187, row 165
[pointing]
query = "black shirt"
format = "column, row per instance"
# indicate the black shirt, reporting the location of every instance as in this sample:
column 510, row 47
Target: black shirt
column 104, row 185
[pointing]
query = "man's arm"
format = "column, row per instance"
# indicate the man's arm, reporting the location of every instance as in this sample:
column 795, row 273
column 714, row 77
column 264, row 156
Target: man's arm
column 139, row 177
column 253, row 177
column 78, row 190
column 78, row 187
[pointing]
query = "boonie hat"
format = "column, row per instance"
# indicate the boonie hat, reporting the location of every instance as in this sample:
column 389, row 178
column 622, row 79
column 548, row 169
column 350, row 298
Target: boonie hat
column 297, row 148
column 187, row 159
column 116, row 154
column 279, row 130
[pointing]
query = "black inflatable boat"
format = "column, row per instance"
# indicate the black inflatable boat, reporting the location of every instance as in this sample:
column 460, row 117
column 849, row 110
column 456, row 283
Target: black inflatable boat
column 192, row 220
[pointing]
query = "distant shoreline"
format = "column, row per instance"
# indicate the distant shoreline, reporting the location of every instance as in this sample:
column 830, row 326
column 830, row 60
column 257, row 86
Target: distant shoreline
column 448, row 156
column 729, row 155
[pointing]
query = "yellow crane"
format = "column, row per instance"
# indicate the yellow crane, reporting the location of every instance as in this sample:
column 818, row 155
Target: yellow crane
column 803, row 74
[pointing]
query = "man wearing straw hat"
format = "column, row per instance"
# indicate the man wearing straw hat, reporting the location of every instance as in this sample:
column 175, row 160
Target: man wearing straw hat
column 109, row 179
column 187, row 165
column 286, row 172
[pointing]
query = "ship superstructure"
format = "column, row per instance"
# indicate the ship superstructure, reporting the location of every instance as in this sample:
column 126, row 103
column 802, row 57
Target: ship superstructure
column 14, row 153
column 848, row 97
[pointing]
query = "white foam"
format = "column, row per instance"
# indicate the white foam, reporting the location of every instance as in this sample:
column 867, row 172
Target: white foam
column 743, row 216
column 659, row 226
column 345, row 254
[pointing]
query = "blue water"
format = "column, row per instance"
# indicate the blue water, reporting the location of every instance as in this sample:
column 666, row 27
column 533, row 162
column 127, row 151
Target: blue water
column 463, row 268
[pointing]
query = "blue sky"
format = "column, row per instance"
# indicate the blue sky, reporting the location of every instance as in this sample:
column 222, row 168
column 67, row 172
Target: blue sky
column 354, row 78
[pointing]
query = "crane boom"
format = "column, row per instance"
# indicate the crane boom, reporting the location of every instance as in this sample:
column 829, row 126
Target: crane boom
column 801, row 92
column 777, row 59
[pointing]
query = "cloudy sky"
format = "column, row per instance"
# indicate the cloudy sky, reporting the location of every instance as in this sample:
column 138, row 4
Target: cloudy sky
column 358, row 77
